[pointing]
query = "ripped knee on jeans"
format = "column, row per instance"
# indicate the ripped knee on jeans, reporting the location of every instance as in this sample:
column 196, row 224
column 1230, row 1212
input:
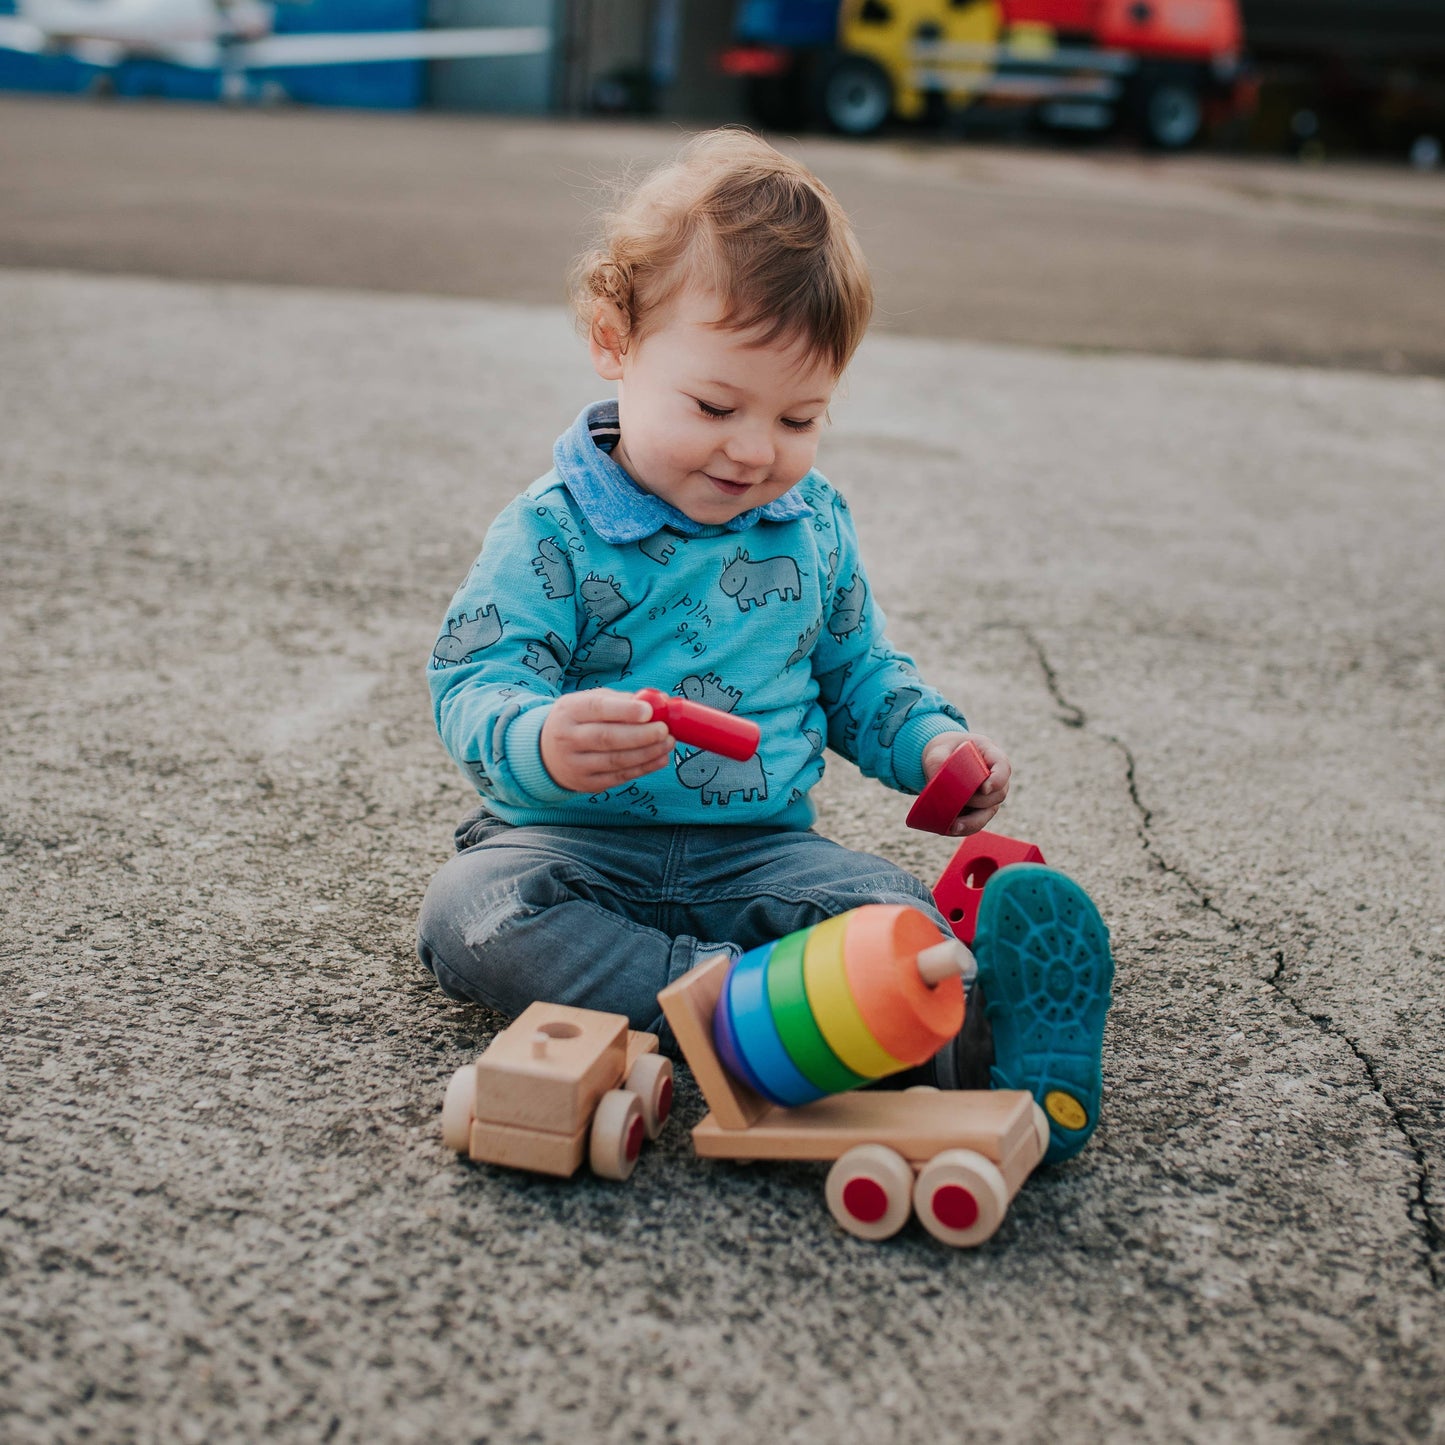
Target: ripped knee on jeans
column 456, row 940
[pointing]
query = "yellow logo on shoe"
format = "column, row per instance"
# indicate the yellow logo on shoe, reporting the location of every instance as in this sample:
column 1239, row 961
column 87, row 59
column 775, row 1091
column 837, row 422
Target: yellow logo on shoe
column 1064, row 1109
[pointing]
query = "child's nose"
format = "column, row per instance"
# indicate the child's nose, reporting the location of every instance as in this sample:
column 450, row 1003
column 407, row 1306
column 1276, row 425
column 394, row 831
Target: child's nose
column 750, row 449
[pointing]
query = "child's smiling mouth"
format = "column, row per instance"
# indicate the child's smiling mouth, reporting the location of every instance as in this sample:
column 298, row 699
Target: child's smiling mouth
column 727, row 488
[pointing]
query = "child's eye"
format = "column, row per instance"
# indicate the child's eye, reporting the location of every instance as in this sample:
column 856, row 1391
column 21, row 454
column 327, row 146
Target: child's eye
column 712, row 410
column 800, row 425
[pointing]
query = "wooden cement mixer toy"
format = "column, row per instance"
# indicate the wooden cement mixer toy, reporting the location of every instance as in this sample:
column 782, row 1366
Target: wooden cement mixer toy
column 778, row 1040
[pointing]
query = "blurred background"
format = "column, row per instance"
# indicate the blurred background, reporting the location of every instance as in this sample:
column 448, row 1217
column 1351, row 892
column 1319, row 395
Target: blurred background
column 1190, row 178
column 1302, row 78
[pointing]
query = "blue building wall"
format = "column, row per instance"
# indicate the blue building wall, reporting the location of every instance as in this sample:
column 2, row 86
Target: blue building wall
column 386, row 85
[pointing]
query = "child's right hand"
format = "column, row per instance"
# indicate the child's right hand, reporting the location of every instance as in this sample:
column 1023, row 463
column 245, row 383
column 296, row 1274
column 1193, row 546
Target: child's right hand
column 598, row 739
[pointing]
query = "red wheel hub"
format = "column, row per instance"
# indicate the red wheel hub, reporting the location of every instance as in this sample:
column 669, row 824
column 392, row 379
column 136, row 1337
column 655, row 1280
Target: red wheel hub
column 954, row 1207
column 865, row 1199
column 634, row 1139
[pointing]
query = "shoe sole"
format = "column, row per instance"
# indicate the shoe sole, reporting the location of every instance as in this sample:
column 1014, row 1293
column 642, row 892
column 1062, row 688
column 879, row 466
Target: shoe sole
column 1046, row 973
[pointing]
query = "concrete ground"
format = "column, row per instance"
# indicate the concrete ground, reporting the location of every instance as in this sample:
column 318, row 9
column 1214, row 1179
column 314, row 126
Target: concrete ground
column 1092, row 250
column 1200, row 602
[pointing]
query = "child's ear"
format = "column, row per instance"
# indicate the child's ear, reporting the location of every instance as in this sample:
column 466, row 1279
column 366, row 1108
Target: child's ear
column 607, row 340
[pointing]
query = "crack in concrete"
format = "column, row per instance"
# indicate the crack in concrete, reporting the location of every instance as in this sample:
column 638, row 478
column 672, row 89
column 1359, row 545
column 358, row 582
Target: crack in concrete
column 1419, row 1208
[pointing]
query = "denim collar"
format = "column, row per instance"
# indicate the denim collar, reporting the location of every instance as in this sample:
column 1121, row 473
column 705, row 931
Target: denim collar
column 618, row 510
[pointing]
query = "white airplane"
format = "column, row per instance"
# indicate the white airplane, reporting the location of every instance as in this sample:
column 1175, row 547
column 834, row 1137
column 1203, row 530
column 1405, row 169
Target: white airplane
column 232, row 36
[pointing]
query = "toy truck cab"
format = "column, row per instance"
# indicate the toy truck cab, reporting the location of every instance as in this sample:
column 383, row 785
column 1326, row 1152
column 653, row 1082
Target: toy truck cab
column 557, row 1084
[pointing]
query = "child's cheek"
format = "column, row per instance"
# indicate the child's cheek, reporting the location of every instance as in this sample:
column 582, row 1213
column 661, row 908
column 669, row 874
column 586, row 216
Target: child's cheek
column 801, row 457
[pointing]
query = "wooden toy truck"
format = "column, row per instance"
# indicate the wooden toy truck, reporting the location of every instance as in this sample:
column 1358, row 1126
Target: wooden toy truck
column 956, row 1159
column 558, row 1084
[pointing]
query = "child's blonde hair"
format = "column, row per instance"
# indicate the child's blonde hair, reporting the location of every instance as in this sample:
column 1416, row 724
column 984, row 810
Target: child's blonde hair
column 736, row 217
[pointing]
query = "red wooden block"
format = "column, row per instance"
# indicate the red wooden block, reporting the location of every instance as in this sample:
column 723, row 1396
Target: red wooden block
column 949, row 790
column 704, row 727
column 960, row 886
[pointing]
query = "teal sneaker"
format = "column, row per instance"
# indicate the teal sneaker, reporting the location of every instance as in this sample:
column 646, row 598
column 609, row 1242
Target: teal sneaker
column 1045, row 970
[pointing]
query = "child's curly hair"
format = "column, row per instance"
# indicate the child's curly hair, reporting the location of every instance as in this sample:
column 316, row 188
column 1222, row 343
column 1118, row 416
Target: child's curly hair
column 734, row 216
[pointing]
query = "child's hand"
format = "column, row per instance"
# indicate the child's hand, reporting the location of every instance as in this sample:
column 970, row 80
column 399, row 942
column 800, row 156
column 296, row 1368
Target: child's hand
column 597, row 739
column 980, row 808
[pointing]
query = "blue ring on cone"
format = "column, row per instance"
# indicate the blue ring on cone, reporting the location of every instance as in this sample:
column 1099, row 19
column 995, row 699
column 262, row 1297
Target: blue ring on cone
column 759, row 1043
column 725, row 1038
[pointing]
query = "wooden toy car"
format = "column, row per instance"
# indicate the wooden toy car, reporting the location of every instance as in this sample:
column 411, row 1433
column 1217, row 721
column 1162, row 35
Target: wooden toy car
column 556, row 1084
column 955, row 1158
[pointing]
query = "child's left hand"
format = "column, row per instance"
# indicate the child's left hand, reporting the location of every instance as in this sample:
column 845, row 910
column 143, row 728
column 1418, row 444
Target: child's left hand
column 980, row 808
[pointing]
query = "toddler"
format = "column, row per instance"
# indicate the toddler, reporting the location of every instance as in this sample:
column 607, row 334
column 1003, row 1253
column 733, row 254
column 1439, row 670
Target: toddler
column 684, row 541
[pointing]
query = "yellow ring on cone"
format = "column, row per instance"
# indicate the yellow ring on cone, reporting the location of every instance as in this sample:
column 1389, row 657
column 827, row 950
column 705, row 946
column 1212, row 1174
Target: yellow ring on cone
column 825, row 981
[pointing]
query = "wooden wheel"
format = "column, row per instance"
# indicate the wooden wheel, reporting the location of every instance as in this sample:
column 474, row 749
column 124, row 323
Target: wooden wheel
column 617, row 1134
column 461, row 1098
column 870, row 1191
column 650, row 1078
column 1041, row 1129
column 960, row 1197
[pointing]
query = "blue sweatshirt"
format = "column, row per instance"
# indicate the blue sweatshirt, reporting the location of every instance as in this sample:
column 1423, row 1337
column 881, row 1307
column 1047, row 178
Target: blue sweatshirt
column 586, row 580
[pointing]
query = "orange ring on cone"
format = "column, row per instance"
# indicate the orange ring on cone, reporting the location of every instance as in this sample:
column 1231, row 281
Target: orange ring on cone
column 908, row 1019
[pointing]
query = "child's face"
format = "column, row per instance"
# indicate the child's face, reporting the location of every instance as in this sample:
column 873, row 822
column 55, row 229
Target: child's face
column 711, row 423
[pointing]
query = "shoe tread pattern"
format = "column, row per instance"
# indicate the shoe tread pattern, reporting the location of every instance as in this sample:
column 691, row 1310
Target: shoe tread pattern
column 1047, row 975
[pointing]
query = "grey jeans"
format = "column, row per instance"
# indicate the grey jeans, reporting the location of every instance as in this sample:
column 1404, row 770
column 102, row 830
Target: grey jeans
column 603, row 918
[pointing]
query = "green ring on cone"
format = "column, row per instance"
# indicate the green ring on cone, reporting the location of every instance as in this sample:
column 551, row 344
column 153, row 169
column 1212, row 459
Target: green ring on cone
column 793, row 1019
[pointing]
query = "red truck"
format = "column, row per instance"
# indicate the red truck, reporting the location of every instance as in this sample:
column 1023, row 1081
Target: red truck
column 1160, row 66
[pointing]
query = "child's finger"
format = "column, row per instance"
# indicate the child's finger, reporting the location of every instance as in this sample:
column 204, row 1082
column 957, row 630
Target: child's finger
column 617, row 737
column 621, row 759
column 972, row 820
column 613, row 777
column 605, row 705
column 628, row 755
column 993, row 787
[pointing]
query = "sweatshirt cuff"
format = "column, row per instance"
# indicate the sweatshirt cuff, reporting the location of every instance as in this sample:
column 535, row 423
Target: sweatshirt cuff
column 522, row 744
column 916, row 735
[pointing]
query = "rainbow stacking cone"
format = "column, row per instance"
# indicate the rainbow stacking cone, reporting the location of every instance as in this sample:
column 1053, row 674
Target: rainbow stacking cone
column 854, row 998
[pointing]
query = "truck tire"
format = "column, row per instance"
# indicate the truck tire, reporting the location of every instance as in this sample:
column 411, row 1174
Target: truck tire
column 650, row 1078
column 1170, row 112
column 870, row 1191
column 960, row 1198
column 617, row 1135
column 461, row 1097
column 855, row 96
